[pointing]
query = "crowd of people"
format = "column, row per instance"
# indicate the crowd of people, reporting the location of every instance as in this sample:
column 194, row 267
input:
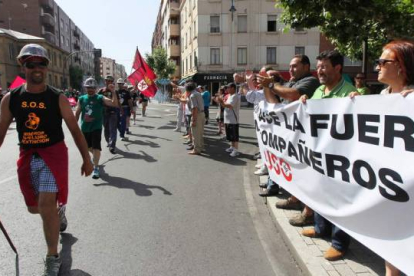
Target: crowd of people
column 110, row 108
column 395, row 69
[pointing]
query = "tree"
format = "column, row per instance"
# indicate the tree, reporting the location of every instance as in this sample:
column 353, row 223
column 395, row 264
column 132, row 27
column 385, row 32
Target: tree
column 159, row 62
column 76, row 77
column 348, row 23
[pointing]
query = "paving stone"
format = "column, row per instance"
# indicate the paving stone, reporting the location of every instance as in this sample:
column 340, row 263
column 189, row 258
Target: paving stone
column 317, row 270
column 344, row 270
column 334, row 273
column 356, row 267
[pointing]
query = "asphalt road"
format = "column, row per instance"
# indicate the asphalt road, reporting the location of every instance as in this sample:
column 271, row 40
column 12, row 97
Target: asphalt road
column 155, row 210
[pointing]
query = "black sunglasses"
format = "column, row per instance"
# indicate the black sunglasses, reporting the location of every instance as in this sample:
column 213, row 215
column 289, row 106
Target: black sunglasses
column 33, row 65
column 381, row 62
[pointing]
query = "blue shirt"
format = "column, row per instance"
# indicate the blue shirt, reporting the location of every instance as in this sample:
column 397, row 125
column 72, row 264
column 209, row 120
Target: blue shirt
column 206, row 98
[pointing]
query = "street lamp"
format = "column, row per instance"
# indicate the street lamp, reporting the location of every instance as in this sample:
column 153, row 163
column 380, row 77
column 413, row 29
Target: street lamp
column 232, row 10
column 69, row 56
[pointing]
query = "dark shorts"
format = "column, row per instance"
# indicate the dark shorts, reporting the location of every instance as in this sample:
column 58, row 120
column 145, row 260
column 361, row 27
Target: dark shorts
column 94, row 139
column 232, row 132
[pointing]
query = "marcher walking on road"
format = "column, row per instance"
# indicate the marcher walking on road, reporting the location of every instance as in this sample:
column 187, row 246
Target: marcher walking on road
column 125, row 101
column 43, row 161
column 110, row 116
column 91, row 106
column 196, row 105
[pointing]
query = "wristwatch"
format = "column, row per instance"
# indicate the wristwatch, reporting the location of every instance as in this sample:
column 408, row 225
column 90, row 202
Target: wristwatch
column 271, row 85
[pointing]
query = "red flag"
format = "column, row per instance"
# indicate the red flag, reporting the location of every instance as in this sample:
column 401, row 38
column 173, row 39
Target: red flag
column 140, row 64
column 144, row 84
column 17, row 82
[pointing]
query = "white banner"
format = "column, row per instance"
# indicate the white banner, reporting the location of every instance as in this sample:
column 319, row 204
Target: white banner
column 352, row 161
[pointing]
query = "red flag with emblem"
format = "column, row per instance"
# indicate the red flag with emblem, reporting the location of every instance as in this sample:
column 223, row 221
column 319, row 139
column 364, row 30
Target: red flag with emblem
column 143, row 77
column 144, row 84
column 139, row 63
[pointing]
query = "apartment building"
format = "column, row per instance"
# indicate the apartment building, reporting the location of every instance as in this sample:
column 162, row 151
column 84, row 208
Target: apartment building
column 220, row 37
column 11, row 43
column 167, row 32
column 44, row 18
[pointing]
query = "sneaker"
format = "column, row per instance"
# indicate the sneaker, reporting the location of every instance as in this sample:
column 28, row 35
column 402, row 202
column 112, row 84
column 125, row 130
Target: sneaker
column 262, row 171
column 190, row 147
column 124, row 139
column 230, row 149
column 95, row 174
column 263, row 185
column 52, row 266
column 301, row 220
column 257, row 156
column 62, row 218
column 112, row 150
column 234, row 153
column 128, row 132
column 258, row 166
column 288, row 204
column 177, row 130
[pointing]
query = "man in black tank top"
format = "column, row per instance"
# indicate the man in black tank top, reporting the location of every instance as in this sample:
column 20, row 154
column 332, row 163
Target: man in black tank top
column 39, row 109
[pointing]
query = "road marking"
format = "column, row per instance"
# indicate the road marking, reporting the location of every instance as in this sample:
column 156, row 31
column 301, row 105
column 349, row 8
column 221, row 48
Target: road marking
column 8, row 179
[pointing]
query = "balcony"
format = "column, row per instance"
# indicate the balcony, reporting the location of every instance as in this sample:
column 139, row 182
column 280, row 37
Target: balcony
column 48, row 20
column 174, row 51
column 76, row 46
column 50, row 37
column 174, row 30
column 47, row 4
column 174, row 8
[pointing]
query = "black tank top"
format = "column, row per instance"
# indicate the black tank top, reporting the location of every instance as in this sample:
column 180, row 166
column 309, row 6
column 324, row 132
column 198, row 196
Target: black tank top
column 38, row 117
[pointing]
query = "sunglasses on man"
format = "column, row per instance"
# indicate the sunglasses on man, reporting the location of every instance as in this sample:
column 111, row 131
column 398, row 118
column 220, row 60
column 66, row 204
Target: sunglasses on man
column 33, row 65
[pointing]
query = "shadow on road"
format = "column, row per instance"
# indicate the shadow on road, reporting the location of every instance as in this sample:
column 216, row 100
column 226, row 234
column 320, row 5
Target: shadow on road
column 123, row 183
column 146, row 127
column 150, row 137
column 68, row 240
column 142, row 143
column 120, row 154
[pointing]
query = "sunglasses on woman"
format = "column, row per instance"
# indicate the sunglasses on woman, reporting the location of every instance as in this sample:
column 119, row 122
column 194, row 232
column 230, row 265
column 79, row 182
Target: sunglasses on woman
column 381, row 62
column 33, row 65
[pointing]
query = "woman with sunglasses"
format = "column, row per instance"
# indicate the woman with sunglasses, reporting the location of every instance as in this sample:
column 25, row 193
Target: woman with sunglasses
column 396, row 69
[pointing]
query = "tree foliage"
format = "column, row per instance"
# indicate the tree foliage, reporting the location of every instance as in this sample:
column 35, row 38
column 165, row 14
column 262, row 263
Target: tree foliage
column 76, row 77
column 347, row 23
column 159, row 62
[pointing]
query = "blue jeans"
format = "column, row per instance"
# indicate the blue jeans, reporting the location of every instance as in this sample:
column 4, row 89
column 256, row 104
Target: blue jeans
column 271, row 185
column 110, row 124
column 340, row 239
column 122, row 119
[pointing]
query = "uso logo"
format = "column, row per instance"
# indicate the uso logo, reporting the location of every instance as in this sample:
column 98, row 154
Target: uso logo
column 278, row 165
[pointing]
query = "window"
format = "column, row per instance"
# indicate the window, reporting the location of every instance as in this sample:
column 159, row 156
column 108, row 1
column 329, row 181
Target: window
column 62, row 40
column 299, row 50
column 241, row 56
column 214, row 55
column 186, row 64
column 271, row 23
column 271, row 55
column 195, row 29
column 242, row 23
column 186, row 40
column 191, row 62
column 191, row 34
column 12, row 53
column 214, row 24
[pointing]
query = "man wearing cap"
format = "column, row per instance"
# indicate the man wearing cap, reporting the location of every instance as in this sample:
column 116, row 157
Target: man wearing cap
column 91, row 106
column 110, row 116
column 43, row 161
column 231, row 118
column 125, row 102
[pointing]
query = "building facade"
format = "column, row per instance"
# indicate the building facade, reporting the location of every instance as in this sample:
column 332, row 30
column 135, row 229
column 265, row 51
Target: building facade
column 218, row 39
column 167, row 32
column 44, row 18
column 11, row 42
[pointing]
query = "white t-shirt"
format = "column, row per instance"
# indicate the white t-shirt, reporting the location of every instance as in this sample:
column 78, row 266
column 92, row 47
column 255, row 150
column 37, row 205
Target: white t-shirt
column 231, row 116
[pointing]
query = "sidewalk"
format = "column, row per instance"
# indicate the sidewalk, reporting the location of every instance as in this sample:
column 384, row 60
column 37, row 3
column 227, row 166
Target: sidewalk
column 308, row 252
